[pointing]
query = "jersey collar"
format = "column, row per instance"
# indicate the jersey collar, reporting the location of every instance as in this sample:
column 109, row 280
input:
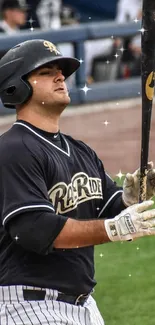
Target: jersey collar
column 66, row 152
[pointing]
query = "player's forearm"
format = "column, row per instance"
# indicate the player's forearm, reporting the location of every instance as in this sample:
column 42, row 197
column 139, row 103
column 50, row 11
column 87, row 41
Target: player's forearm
column 79, row 233
column 46, row 230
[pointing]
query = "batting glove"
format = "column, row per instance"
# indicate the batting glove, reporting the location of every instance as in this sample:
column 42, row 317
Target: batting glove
column 131, row 183
column 134, row 222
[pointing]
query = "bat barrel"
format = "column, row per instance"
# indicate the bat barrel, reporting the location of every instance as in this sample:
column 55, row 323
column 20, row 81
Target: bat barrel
column 147, row 78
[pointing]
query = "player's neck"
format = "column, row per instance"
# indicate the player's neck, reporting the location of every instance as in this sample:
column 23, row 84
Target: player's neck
column 47, row 123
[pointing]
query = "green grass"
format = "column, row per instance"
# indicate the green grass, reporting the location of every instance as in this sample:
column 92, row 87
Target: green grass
column 125, row 274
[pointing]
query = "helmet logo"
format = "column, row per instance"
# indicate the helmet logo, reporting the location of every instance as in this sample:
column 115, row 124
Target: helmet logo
column 51, row 47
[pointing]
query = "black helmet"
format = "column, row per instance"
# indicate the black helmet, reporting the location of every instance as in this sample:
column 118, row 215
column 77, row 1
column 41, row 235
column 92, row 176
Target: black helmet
column 24, row 58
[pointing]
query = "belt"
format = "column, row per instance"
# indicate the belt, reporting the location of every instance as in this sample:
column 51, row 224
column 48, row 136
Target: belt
column 70, row 299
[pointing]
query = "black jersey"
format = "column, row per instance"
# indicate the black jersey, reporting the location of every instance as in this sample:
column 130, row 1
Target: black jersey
column 65, row 178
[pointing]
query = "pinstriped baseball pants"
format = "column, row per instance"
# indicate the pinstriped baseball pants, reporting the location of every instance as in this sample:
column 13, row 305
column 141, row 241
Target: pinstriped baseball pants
column 14, row 310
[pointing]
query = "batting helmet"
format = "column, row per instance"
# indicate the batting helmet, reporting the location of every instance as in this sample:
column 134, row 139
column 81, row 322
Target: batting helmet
column 21, row 60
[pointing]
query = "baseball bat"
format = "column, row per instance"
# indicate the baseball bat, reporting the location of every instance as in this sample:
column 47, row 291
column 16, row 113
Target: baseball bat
column 147, row 86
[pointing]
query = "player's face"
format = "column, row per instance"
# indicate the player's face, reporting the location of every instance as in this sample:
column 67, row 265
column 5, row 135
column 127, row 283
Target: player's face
column 49, row 86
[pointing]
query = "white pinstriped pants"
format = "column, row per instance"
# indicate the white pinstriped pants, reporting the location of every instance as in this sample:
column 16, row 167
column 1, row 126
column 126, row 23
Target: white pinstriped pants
column 14, row 310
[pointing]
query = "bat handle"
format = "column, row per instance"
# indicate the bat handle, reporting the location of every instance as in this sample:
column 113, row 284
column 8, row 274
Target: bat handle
column 143, row 186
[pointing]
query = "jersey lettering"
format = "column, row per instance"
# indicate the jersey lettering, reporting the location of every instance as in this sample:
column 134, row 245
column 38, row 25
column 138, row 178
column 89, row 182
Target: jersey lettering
column 82, row 188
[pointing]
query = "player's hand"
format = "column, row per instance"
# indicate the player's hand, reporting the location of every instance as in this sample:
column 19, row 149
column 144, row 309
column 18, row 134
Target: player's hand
column 132, row 183
column 133, row 222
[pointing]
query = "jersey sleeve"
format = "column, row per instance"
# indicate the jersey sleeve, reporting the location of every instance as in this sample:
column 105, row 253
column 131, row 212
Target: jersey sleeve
column 112, row 203
column 22, row 183
column 40, row 227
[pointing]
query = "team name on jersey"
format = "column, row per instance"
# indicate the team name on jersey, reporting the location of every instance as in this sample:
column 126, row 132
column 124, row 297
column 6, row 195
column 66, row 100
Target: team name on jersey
column 66, row 197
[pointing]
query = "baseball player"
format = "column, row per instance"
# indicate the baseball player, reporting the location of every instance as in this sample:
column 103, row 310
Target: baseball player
column 56, row 200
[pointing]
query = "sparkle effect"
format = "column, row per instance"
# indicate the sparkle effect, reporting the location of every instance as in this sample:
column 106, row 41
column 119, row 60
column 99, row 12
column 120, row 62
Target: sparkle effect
column 81, row 61
column 116, row 55
column 106, row 123
column 122, row 49
column 85, row 89
column 136, row 20
column 31, row 21
column 120, row 175
column 101, row 255
column 16, row 238
column 35, row 82
column 142, row 30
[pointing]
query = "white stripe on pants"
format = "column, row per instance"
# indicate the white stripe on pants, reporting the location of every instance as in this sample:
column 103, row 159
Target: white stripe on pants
column 14, row 310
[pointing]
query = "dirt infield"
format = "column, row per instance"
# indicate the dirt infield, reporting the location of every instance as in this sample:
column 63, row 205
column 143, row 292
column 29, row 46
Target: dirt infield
column 118, row 143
